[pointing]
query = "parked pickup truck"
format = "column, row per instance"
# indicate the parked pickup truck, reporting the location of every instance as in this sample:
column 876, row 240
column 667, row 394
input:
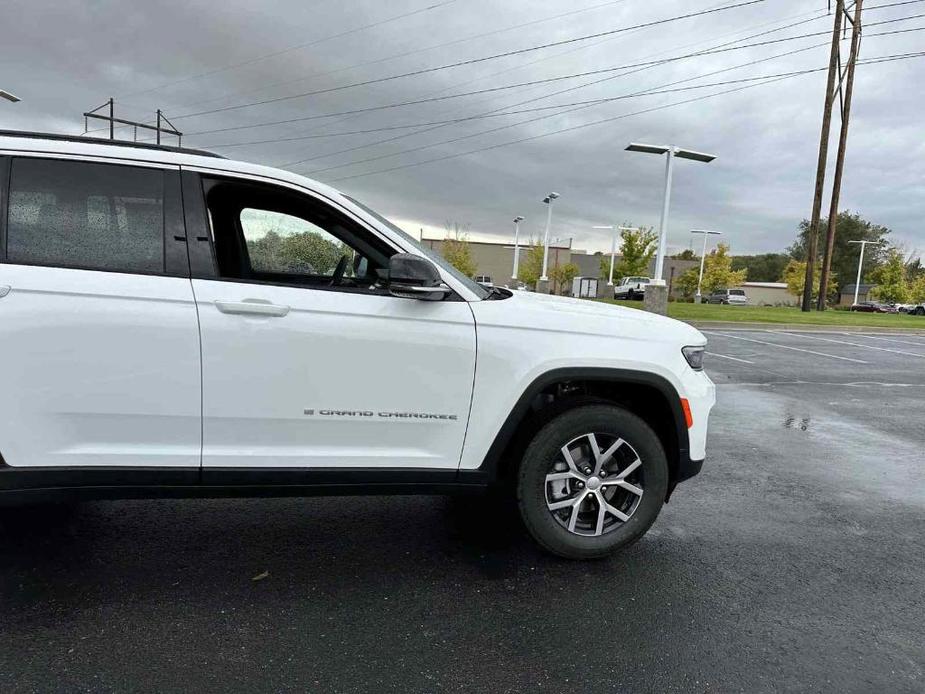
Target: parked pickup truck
column 631, row 288
column 179, row 324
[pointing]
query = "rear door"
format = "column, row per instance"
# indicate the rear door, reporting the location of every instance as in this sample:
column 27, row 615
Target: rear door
column 99, row 341
column 308, row 362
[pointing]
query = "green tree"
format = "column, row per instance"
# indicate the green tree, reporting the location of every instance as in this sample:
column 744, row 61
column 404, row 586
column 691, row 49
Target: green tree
column 306, row 252
column 765, row 267
column 890, row 279
column 917, row 289
column 458, row 254
column 562, row 276
column 717, row 273
column 637, row 249
column 686, row 254
column 795, row 277
column 848, row 227
column 531, row 264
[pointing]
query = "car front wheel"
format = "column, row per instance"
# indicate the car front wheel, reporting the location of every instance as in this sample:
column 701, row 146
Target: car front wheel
column 592, row 481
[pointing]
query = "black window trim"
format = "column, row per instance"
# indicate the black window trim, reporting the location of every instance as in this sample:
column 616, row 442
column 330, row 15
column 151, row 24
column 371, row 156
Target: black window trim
column 203, row 263
column 173, row 225
column 4, row 202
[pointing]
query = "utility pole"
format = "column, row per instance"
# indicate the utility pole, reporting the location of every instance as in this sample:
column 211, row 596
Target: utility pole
column 840, row 159
column 823, row 158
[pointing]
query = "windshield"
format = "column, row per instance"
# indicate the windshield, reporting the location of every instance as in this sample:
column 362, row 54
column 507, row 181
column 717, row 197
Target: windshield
column 737, row 292
column 438, row 259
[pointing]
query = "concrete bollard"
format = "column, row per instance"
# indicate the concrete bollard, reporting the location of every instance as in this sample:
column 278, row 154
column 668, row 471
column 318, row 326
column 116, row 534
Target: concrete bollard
column 656, row 300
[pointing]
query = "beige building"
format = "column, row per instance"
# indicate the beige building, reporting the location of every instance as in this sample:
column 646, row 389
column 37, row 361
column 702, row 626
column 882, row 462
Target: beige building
column 768, row 294
column 496, row 260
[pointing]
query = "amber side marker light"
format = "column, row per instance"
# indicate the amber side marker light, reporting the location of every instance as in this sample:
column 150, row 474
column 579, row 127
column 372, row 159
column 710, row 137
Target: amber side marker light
column 686, row 406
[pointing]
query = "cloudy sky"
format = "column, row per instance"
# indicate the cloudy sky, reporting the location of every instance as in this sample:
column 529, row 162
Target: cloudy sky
column 502, row 150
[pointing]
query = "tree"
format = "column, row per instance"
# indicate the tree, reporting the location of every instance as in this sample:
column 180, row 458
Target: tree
column 531, row 264
column 765, row 267
column 306, row 252
column 686, row 254
column 917, row 289
column 890, row 279
column 638, row 246
column 795, row 277
column 717, row 273
column 562, row 276
column 458, row 254
column 848, row 227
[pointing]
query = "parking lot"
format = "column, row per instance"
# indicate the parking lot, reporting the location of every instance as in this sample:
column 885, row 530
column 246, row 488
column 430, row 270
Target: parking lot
column 795, row 561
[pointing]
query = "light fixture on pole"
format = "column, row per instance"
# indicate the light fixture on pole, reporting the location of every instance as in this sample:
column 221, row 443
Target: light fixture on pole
column 517, row 220
column 613, row 245
column 548, row 200
column 703, row 255
column 9, row 97
column 670, row 152
column 857, row 282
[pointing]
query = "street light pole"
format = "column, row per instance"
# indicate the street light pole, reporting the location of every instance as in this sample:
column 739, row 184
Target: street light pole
column 613, row 244
column 517, row 220
column 548, row 200
column 670, row 152
column 698, row 297
column 857, row 282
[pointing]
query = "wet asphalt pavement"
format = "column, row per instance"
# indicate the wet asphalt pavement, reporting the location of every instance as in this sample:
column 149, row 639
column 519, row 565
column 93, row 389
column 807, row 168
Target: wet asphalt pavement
column 794, row 562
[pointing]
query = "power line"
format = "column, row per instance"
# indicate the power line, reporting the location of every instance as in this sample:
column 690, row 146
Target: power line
column 473, row 61
column 453, row 121
column 545, row 96
column 568, row 110
column 601, row 121
column 579, row 106
column 405, row 54
column 267, row 56
column 547, row 80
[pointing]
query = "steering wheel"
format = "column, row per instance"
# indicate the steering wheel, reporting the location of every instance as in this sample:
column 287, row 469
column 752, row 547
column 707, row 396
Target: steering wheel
column 339, row 271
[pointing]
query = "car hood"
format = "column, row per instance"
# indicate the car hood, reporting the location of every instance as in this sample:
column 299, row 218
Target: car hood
column 583, row 316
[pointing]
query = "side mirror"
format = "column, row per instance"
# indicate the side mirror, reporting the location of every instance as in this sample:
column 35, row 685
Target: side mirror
column 414, row 277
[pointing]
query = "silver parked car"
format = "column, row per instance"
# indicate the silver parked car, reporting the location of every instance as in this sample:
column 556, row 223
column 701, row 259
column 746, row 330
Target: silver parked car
column 731, row 297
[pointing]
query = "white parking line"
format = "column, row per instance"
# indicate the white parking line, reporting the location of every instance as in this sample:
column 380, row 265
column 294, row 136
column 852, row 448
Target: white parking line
column 795, row 349
column 725, row 356
column 853, row 344
column 886, row 339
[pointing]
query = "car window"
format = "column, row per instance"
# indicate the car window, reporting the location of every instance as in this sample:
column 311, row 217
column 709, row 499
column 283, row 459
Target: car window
column 283, row 243
column 268, row 234
column 85, row 215
column 736, row 292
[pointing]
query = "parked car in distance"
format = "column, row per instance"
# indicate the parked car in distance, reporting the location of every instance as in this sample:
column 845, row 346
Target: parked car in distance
column 729, row 297
column 631, row 288
column 917, row 310
column 485, row 281
column 873, row 307
column 159, row 341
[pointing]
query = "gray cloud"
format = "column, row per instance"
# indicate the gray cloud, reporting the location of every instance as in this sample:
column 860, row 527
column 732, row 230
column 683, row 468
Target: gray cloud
column 63, row 58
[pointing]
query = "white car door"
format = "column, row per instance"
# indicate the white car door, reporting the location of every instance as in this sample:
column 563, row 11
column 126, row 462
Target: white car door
column 98, row 333
column 307, row 362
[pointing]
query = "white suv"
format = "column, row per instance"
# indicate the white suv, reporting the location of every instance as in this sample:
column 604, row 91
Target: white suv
column 174, row 323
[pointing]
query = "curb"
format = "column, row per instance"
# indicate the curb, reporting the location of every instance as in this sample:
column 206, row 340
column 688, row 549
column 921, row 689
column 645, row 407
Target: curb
column 806, row 328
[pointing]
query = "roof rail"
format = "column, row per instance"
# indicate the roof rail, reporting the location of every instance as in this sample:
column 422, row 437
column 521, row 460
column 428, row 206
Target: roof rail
column 101, row 141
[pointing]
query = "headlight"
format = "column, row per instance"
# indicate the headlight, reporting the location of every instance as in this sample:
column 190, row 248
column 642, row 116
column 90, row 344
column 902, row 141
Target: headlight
column 694, row 356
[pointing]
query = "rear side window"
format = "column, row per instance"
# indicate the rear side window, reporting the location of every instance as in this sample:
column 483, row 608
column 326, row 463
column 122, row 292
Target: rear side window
column 82, row 215
column 736, row 292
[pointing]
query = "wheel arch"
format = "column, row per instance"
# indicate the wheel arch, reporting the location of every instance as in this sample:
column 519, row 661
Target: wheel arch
column 648, row 395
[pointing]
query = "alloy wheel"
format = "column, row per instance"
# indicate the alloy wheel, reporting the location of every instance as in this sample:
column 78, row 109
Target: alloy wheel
column 595, row 484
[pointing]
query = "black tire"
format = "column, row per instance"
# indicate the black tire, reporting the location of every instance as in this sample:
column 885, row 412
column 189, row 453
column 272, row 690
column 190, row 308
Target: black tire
column 631, row 295
column 545, row 448
column 919, row 311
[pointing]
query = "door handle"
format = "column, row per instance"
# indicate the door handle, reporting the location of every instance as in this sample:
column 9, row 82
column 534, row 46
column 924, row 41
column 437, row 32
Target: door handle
column 4, row 290
column 252, row 307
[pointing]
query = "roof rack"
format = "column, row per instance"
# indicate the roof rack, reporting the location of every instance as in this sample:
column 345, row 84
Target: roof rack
column 101, row 141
